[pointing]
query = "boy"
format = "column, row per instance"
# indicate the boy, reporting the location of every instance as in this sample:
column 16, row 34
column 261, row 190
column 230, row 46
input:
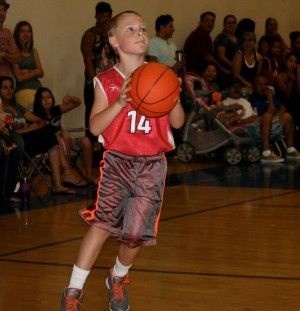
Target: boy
column 133, row 163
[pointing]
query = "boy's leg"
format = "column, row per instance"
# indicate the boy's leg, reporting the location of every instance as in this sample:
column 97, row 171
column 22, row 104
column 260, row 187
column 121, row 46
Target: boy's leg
column 117, row 278
column 88, row 252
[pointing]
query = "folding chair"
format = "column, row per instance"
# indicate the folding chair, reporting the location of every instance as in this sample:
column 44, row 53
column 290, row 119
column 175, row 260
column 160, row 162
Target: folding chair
column 30, row 167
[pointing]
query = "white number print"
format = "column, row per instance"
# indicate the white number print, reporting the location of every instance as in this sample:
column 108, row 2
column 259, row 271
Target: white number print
column 143, row 125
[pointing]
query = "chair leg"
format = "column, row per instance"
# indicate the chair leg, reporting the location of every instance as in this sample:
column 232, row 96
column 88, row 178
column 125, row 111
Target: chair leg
column 74, row 160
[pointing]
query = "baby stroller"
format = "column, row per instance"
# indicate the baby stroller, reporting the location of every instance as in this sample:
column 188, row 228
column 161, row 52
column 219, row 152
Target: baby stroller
column 205, row 132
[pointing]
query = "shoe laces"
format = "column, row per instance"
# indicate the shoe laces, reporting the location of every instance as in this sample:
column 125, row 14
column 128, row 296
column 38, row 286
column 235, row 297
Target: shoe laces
column 72, row 303
column 118, row 288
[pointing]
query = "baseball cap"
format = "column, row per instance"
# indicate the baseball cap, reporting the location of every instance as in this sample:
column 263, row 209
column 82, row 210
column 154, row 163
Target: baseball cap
column 233, row 81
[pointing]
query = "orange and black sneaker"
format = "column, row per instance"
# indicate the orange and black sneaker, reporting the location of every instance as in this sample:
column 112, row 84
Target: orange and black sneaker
column 71, row 300
column 118, row 298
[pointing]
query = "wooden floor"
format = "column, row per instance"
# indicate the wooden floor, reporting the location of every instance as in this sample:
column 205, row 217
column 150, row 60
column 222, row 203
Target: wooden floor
column 229, row 240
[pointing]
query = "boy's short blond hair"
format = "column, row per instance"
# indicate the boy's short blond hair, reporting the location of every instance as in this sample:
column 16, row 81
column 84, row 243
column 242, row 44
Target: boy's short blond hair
column 113, row 24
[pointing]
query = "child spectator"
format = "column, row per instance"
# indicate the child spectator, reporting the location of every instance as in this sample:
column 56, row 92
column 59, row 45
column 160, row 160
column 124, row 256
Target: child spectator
column 44, row 107
column 36, row 136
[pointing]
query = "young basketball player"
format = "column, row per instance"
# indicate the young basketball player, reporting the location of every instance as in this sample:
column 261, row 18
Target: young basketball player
column 133, row 170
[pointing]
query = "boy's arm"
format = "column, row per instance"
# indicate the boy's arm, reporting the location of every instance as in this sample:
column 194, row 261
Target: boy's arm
column 102, row 114
column 177, row 116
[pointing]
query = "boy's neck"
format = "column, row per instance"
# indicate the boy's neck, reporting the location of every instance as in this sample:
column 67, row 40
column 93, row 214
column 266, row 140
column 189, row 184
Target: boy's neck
column 129, row 65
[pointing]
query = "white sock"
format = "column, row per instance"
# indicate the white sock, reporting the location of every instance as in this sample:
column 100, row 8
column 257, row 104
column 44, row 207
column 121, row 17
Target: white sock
column 119, row 269
column 78, row 277
column 290, row 149
column 266, row 153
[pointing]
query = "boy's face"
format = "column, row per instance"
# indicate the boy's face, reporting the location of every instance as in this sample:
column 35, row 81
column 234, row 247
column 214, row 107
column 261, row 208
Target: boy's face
column 130, row 36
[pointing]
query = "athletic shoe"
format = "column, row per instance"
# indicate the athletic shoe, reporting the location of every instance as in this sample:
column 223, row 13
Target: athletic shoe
column 271, row 158
column 71, row 300
column 118, row 298
column 294, row 155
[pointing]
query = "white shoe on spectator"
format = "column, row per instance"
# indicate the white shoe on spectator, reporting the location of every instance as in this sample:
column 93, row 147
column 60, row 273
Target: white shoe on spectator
column 293, row 156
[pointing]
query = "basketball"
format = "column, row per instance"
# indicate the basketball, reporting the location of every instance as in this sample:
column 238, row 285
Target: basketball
column 154, row 90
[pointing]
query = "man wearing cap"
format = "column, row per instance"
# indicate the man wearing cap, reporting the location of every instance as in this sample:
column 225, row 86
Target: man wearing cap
column 98, row 56
column 9, row 53
column 234, row 90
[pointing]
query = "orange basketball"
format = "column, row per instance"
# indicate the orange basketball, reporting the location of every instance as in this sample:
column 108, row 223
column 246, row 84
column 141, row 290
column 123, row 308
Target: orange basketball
column 154, row 90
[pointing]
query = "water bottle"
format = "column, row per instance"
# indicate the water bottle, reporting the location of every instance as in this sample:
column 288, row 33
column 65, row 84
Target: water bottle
column 25, row 189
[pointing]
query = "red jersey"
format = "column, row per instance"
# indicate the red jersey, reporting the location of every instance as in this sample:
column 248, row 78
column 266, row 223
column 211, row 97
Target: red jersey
column 131, row 133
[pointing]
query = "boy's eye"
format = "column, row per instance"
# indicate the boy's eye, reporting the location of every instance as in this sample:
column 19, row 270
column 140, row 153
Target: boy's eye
column 130, row 28
column 144, row 29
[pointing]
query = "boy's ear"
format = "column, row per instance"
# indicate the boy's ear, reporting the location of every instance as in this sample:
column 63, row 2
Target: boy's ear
column 113, row 41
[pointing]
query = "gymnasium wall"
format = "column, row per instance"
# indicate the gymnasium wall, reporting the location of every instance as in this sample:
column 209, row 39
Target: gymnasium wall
column 59, row 24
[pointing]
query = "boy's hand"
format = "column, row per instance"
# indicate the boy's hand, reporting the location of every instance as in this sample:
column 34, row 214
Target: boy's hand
column 123, row 100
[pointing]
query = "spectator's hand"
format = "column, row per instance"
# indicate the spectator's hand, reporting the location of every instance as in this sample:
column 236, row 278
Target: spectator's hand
column 4, row 116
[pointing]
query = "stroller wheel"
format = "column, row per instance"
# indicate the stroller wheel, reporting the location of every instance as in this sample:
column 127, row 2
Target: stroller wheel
column 251, row 154
column 185, row 152
column 232, row 156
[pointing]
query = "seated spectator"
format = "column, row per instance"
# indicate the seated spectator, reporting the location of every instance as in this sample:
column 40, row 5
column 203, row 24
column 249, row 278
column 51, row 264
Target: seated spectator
column 161, row 49
column 44, row 107
column 244, row 25
column 273, row 61
column 271, row 33
column 234, row 91
column 198, row 47
column 263, row 46
column 225, row 46
column 247, row 63
column 295, row 43
column 287, row 87
column 28, row 71
column 272, row 114
column 286, row 79
column 10, row 159
column 36, row 136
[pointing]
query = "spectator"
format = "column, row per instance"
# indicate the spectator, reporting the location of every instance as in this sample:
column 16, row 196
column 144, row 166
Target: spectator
column 273, row 61
column 9, row 160
column 161, row 49
column 225, row 46
column 98, row 56
column 271, row 32
column 234, row 90
column 272, row 117
column 295, row 43
column 198, row 47
column 286, row 80
column 244, row 25
column 287, row 86
column 9, row 53
column 247, row 63
column 36, row 136
column 29, row 70
column 44, row 107
column 263, row 46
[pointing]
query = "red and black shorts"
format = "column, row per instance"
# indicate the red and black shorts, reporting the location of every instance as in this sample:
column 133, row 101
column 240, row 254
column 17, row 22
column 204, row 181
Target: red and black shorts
column 130, row 195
